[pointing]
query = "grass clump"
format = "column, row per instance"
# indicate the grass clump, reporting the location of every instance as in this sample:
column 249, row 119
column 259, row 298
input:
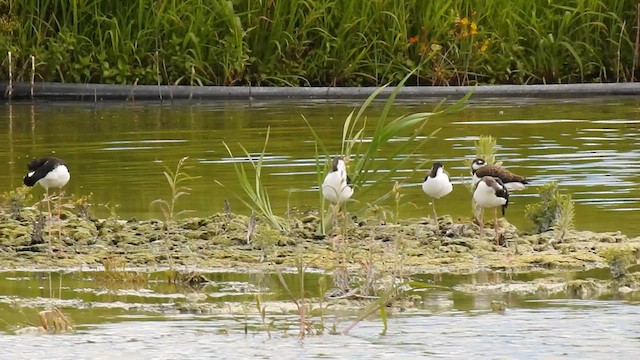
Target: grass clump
column 258, row 197
column 554, row 211
column 175, row 179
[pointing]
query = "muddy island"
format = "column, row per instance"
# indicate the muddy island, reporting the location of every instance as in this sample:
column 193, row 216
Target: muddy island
column 222, row 241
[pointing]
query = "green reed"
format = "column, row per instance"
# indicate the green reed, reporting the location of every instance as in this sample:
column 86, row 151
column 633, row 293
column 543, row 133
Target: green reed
column 257, row 197
column 320, row 42
column 361, row 145
column 175, row 180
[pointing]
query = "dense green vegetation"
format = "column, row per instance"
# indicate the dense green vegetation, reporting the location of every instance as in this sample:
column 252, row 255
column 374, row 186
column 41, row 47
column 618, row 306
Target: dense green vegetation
column 319, row 42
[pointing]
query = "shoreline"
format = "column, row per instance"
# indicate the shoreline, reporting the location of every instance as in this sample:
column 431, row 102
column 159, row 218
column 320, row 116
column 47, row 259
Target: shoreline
column 103, row 92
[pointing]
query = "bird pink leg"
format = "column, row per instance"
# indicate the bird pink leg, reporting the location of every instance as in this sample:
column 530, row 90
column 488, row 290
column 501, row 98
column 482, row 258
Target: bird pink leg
column 495, row 225
column 60, row 214
column 435, row 216
column 48, row 199
column 60, row 204
column 46, row 196
column 481, row 221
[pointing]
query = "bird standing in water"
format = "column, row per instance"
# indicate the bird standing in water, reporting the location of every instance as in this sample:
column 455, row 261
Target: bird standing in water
column 480, row 169
column 49, row 172
column 436, row 184
column 490, row 193
column 336, row 186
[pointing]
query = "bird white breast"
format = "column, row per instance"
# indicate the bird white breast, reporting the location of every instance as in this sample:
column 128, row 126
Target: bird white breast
column 438, row 186
column 56, row 178
column 335, row 188
column 485, row 196
column 475, row 179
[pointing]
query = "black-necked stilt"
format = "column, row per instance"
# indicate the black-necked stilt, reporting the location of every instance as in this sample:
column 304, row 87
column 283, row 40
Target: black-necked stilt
column 436, row 184
column 513, row 182
column 490, row 193
column 336, row 185
column 49, row 172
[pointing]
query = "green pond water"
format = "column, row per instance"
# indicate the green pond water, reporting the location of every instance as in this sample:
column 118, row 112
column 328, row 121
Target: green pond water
column 148, row 320
column 116, row 152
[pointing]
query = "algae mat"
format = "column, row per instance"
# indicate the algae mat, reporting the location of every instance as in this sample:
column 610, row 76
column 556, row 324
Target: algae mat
column 222, row 241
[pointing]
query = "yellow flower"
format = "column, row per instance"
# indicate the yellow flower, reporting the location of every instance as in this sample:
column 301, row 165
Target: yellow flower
column 464, row 34
column 473, row 28
column 464, row 21
column 483, row 45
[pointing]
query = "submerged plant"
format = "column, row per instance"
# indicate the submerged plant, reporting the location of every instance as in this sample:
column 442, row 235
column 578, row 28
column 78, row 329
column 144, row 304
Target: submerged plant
column 258, row 197
column 175, row 179
column 115, row 271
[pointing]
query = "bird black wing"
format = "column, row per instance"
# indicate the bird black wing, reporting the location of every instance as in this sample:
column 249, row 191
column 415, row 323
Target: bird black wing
column 502, row 192
column 39, row 168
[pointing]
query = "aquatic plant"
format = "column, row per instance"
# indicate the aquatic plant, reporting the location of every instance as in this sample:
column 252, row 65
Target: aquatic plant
column 319, row 42
column 262, row 310
column 619, row 260
column 15, row 200
column 115, row 271
column 554, row 210
column 563, row 222
column 54, row 321
column 175, row 180
column 258, row 197
column 397, row 291
column 299, row 299
column 82, row 205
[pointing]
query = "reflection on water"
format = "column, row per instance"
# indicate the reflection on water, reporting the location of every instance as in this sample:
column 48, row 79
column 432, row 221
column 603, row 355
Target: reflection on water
column 116, row 152
column 142, row 322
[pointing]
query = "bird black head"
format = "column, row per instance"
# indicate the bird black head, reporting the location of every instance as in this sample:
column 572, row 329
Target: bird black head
column 434, row 169
column 477, row 164
column 336, row 160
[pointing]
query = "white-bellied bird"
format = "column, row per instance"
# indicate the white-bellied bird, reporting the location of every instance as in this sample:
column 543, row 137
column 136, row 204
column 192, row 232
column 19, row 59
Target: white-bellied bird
column 513, row 182
column 491, row 192
column 336, row 186
column 49, row 172
column 436, row 184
